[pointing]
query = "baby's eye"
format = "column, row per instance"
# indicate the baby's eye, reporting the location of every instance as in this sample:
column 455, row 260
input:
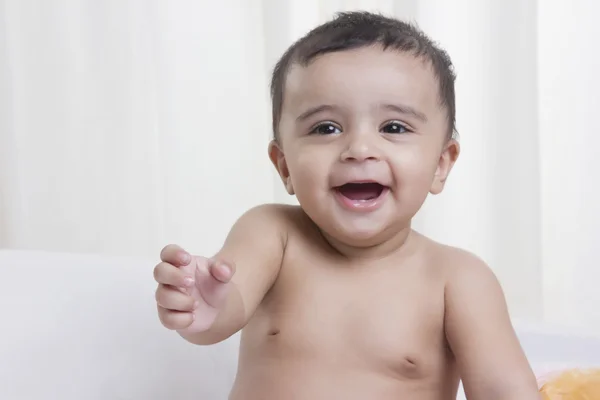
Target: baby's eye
column 326, row 128
column 394, row 127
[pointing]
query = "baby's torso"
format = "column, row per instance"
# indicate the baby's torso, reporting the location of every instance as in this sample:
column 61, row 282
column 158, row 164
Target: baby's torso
column 331, row 329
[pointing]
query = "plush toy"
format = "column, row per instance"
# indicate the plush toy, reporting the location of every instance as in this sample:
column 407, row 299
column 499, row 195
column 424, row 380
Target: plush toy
column 573, row 384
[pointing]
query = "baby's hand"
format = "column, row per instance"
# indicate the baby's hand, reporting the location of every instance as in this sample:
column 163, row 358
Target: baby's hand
column 191, row 289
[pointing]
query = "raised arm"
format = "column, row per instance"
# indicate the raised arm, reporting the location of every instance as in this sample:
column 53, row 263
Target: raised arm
column 255, row 245
column 234, row 281
column 490, row 359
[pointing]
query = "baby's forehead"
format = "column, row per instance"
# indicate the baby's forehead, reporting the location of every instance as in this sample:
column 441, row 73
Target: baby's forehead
column 367, row 74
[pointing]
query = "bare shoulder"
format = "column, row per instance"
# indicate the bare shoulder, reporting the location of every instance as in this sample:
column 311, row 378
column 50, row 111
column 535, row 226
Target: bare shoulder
column 459, row 266
column 262, row 231
column 288, row 218
column 269, row 218
column 468, row 278
column 479, row 329
column 470, row 269
column 472, row 286
column 272, row 211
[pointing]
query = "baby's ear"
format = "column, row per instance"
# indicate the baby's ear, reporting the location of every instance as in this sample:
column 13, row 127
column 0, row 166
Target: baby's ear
column 278, row 159
column 446, row 162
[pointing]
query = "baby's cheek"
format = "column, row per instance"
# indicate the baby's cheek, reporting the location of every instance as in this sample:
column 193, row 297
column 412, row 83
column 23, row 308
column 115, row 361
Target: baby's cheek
column 414, row 173
column 306, row 174
column 413, row 186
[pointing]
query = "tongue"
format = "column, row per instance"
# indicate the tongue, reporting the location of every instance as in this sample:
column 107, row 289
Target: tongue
column 361, row 191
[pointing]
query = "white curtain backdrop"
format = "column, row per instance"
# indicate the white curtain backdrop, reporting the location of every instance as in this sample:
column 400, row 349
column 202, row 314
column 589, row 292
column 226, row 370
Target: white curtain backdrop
column 129, row 124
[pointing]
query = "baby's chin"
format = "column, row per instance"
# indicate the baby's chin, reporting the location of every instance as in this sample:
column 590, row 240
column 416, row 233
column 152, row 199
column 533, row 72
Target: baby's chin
column 357, row 235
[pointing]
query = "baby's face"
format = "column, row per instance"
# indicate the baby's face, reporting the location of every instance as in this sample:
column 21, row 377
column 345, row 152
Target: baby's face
column 363, row 140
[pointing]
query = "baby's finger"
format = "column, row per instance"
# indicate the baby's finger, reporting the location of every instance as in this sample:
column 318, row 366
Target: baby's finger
column 214, row 290
column 175, row 320
column 173, row 299
column 223, row 272
column 168, row 274
column 175, row 255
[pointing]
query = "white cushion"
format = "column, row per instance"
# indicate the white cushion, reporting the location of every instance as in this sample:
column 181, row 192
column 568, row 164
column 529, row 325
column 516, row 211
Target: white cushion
column 85, row 327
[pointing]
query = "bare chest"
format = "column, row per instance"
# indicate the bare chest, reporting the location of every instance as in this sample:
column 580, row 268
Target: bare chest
column 387, row 319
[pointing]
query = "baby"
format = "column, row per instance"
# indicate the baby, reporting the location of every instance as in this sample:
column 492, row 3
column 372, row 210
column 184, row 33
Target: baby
column 339, row 298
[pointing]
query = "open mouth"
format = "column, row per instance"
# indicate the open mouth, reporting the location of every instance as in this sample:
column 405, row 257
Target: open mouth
column 361, row 191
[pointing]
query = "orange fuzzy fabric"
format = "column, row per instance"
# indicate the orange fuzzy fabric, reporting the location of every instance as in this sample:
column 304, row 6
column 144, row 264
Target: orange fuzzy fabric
column 574, row 384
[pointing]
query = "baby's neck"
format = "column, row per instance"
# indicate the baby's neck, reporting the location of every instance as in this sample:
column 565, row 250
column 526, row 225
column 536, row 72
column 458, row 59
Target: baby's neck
column 398, row 243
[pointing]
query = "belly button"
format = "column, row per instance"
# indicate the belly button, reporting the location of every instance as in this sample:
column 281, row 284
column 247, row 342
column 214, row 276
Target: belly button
column 274, row 332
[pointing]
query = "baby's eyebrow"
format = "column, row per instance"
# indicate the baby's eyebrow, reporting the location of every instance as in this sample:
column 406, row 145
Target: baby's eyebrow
column 399, row 108
column 315, row 110
column 407, row 110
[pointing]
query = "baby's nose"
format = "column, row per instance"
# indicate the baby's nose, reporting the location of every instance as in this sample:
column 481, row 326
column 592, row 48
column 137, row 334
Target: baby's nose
column 360, row 148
